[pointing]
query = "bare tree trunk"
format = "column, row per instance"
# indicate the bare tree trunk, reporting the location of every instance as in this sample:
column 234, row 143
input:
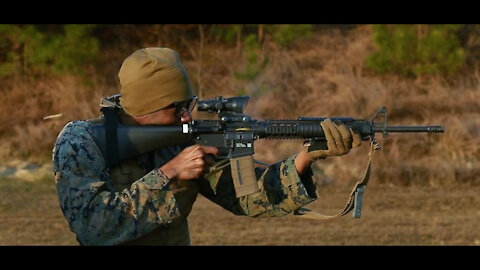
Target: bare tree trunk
column 158, row 33
column 197, row 55
column 200, row 62
column 421, row 31
column 239, row 40
column 260, row 33
column 25, row 57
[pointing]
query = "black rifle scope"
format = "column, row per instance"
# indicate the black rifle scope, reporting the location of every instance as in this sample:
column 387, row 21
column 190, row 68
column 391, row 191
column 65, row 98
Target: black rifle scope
column 220, row 104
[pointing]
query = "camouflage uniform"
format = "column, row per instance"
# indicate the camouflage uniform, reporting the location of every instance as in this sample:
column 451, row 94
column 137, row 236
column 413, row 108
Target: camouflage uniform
column 134, row 203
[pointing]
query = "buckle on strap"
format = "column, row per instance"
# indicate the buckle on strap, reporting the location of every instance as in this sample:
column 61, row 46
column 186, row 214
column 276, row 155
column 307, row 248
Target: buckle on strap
column 358, row 201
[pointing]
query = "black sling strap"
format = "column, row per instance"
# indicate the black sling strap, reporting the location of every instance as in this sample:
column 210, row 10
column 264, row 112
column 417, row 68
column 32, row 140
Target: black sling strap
column 111, row 123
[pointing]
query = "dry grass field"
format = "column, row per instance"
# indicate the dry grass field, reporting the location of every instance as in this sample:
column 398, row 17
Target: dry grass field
column 424, row 187
column 392, row 216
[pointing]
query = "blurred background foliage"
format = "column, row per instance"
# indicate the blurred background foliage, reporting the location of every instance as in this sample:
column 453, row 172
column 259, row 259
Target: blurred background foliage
column 407, row 50
column 36, row 50
column 413, row 50
column 424, row 74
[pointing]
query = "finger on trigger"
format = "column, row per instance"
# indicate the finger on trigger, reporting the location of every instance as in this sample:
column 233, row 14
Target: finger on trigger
column 209, row 149
column 210, row 161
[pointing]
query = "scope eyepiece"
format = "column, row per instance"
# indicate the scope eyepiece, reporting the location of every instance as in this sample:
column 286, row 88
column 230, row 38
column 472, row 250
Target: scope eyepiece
column 220, row 104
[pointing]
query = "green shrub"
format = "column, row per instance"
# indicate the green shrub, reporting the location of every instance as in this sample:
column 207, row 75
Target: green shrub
column 285, row 34
column 254, row 63
column 413, row 50
column 45, row 49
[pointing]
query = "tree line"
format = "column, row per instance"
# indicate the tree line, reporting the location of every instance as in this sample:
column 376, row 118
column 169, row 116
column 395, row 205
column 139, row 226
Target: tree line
column 32, row 51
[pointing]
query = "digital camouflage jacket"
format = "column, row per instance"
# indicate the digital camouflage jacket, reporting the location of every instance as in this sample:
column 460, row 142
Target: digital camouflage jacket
column 147, row 208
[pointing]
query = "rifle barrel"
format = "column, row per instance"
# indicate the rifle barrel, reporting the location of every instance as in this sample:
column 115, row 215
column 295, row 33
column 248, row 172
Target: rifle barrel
column 429, row 129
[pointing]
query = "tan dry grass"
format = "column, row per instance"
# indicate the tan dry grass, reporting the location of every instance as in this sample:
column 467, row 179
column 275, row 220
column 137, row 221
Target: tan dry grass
column 436, row 204
column 320, row 77
column 24, row 105
column 391, row 216
column 339, row 87
column 30, row 213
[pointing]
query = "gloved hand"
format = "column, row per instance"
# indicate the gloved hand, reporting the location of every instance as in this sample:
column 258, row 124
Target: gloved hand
column 339, row 141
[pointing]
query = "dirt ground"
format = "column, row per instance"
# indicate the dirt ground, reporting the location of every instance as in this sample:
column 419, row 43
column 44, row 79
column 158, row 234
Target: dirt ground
column 30, row 215
column 390, row 216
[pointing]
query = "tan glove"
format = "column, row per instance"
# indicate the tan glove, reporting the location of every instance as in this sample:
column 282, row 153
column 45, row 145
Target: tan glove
column 339, row 141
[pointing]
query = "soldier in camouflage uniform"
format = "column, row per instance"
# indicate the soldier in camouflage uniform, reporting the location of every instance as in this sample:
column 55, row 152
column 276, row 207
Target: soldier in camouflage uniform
column 146, row 200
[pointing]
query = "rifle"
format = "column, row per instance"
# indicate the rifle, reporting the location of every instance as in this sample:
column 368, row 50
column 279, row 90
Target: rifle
column 233, row 133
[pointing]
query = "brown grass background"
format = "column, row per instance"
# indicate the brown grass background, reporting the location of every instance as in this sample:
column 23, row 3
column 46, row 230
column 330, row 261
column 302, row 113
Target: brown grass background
column 424, row 187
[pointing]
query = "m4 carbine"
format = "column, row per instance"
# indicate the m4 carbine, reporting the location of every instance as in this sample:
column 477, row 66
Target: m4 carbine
column 233, row 133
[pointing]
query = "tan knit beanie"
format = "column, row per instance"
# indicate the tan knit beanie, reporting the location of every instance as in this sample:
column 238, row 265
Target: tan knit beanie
column 151, row 79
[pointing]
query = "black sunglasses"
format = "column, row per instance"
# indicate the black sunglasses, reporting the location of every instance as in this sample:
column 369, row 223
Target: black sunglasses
column 182, row 107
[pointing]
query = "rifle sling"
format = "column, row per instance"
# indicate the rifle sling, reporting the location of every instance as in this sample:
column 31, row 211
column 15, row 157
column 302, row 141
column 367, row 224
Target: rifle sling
column 111, row 123
column 356, row 196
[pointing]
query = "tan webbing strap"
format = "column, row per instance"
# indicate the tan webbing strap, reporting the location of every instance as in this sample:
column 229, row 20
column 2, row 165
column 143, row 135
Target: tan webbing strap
column 355, row 200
